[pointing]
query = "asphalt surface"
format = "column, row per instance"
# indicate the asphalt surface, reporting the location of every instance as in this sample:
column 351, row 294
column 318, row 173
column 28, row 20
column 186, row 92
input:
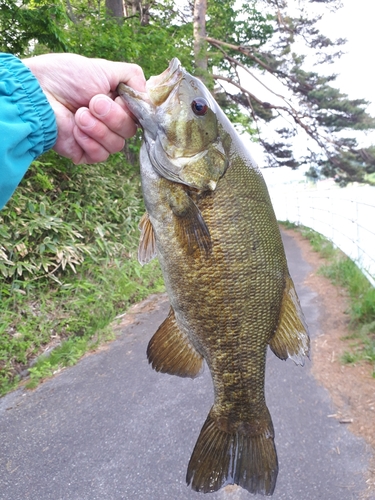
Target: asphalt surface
column 110, row 428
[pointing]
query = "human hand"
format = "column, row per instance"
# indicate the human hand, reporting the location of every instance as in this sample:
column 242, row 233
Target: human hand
column 92, row 121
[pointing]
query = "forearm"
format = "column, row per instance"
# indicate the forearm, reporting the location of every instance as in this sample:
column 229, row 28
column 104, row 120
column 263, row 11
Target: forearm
column 27, row 123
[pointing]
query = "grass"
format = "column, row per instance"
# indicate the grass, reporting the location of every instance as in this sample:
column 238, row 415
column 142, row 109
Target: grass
column 343, row 272
column 68, row 244
column 76, row 315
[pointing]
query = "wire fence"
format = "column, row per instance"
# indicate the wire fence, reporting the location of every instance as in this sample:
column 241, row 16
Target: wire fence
column 346, row 216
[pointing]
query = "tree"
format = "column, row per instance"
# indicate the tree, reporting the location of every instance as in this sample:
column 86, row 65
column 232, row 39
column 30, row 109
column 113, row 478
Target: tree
column 115, row 8
column 26, row 23
column 199, row 34
column 258, row 40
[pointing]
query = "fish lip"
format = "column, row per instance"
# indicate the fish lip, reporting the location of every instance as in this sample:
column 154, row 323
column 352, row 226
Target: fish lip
column 140, row 107
column 133, row 98
column 125, row 91
column 160, row 87
column 172, row 72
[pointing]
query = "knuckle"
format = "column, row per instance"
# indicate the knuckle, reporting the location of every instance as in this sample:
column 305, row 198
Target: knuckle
column 100, row 132
column 136, row 70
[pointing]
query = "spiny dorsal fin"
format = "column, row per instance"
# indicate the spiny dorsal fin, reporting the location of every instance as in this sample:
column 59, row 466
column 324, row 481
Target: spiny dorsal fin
column 170, row 351
column 147, row 246
column 291, row 339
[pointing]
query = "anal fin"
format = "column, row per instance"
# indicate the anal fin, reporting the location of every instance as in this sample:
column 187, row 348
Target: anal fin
column 170, row 351
column 147, row 244
column 291, row 339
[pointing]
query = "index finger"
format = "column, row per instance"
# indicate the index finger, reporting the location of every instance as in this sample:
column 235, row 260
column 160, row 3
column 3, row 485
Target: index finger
column 137, row 79
column 130, row 74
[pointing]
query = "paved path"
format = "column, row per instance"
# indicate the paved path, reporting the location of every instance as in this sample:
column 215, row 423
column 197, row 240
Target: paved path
column 110, row 428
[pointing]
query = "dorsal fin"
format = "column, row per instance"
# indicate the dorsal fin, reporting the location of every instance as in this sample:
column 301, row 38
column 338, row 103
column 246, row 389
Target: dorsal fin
column 170, row 351
column 147, row 245
column 291, row 339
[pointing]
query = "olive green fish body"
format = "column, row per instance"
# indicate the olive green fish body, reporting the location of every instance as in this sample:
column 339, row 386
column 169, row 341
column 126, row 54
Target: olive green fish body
column 228, row 302
column 211, row 223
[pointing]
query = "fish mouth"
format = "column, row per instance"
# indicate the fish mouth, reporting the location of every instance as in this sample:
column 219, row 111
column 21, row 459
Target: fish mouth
column 159, row 87
column 139, row 107
column 142, row 105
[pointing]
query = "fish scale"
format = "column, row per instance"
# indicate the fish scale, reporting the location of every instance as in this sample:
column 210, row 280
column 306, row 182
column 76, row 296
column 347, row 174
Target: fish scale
column 210, row 219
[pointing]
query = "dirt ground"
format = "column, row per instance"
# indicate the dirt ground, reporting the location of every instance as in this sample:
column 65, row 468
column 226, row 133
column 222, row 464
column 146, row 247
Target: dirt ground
column 351, row 387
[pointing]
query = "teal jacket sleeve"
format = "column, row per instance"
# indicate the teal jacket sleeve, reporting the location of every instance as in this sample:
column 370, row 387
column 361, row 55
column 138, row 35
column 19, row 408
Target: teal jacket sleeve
column 27, row 123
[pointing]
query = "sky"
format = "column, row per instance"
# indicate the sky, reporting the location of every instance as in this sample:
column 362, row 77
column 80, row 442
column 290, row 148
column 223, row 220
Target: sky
column 355, row 22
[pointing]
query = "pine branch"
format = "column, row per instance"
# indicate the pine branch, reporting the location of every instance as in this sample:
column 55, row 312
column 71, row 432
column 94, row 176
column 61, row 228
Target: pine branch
column 290, row 111
column 243, row 50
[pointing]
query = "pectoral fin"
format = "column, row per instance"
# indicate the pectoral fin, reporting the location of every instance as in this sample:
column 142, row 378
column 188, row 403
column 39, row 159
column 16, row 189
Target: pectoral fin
column 291, row 339
column 170, row 351
column 190, row 226
column 147, row 245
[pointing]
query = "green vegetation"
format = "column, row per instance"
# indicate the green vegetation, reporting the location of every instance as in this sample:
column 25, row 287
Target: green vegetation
column 343, row 272
column 68, row 262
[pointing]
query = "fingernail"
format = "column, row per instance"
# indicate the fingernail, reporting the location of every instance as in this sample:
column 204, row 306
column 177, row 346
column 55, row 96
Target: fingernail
column 86, row 119
column 102, row 106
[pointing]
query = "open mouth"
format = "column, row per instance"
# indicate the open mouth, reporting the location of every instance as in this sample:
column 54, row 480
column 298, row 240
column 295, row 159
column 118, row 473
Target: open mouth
column 143, row 105
column 159, row 87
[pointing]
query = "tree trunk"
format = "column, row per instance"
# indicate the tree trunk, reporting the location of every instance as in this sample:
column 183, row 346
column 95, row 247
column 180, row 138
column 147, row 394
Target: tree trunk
column 115, row 8
column 134, row 7
column 200, row 45
column 131, row 7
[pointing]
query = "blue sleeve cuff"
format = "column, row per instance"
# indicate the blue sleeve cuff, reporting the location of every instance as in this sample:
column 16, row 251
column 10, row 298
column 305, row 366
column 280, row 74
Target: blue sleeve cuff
column 27, row 123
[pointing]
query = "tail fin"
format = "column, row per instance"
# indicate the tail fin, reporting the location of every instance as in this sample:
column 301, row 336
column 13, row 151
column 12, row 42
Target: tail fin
column 221, row 458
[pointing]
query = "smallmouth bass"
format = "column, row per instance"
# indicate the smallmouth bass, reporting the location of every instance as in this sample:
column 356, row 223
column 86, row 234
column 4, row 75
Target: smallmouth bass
column 210, row 221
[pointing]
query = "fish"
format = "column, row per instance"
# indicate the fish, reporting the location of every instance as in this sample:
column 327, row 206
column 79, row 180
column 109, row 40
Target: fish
column 210, row 222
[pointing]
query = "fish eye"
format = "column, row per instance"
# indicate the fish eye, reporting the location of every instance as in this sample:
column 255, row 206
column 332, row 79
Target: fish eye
column 199, row 106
